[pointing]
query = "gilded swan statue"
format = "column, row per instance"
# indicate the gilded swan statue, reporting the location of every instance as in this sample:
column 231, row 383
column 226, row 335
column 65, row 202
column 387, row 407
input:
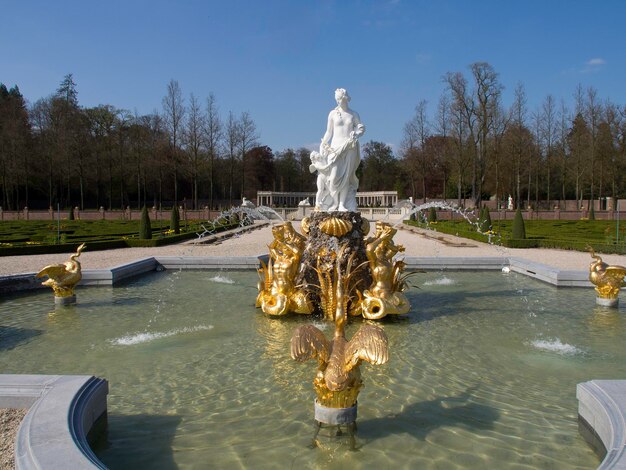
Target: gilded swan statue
column 607, row 279
column 63, row 277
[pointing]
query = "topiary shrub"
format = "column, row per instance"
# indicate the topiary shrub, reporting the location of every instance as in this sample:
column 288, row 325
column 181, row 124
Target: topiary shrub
column 175, row 220
column 519, row 229
column 70, row 213
column 484, row 222
column 145, row 230
column 432, row 215
column 592, row 213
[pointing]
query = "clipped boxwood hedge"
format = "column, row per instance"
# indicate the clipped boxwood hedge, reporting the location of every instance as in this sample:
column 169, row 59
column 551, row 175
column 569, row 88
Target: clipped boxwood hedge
column 521, row 243
column 100, row 242
column 565, row 235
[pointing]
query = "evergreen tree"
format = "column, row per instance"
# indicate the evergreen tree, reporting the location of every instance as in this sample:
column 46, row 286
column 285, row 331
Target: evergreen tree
column 432, row 215
column 145, row 230
column 175, row 220
column 519, row 230
column 484, row 222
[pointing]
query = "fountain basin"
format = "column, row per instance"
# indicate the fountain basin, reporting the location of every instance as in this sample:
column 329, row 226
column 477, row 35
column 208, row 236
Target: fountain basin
column 478, row 369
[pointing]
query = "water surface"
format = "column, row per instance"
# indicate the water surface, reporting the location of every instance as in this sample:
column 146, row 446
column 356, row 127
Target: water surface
column 482, row 373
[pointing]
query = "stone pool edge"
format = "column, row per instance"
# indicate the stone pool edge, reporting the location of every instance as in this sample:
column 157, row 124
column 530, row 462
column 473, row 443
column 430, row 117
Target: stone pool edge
column 117, row 274
column 62, row 410
column 602, row 412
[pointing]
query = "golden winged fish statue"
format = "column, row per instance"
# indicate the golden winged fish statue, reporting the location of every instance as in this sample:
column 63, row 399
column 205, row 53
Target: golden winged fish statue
column 278, row 294
column 607, row 279
column 384, row 297
column 338, row 378
column 62, row 278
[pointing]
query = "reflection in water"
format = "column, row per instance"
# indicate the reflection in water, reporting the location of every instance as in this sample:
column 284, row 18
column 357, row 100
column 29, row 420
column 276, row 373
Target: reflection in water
column 607, row 320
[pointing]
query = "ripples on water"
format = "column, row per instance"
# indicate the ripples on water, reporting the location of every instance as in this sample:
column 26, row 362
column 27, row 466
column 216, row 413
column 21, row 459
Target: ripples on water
column 482, row 372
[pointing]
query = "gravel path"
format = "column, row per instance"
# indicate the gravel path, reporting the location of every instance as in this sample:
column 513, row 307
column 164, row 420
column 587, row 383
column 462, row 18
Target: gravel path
column 10, row 419
column 417, row 242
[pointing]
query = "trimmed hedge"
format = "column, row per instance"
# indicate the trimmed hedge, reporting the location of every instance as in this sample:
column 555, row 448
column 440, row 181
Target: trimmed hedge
column 521, row 243
column 60, row 248
column 104, row 243
column 561, row 234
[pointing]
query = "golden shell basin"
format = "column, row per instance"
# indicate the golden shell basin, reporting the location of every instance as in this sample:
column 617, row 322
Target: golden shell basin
column 335, row 226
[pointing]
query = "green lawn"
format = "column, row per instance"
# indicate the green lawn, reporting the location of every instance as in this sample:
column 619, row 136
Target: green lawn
column 35, row 236
column 603, row 235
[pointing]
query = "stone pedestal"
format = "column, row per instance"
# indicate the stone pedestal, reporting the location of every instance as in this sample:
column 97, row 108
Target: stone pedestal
column 68, row 300
column 323, row 245
column 335, row 416
column 607, row 302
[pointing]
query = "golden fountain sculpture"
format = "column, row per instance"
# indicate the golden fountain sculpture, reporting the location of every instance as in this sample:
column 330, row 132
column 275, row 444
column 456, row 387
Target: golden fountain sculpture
column 384, row 297
column 607, row 279
column 338, row 378
column 64, row 277
column 278, row 294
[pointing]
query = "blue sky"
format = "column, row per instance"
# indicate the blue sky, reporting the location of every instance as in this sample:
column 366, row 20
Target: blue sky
column 281, row 61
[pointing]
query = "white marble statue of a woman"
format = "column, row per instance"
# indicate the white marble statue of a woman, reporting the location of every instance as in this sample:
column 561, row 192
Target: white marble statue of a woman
column 341, row 156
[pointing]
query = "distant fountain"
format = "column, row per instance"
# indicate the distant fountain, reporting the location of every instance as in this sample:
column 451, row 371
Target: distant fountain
column 414, row 209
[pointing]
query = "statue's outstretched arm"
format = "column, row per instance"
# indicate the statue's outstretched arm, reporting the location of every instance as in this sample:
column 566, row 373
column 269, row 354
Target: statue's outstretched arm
column 359, row 128
column 325, row 145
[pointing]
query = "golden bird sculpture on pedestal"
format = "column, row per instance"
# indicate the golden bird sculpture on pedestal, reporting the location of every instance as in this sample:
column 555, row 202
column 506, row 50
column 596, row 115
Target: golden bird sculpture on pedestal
column 607, row 279
column 62, row 278
column 338, row 378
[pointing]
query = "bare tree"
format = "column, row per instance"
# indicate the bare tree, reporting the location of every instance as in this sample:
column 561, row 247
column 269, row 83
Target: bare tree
column 233, row 130
column 248, row 138
column 488, row 90
column 464, row 118
column 501, row 121
column 561, row 147
column 173, row 113
column 194, row 140
column 213, row 134
column 416, row 131
column 521, row 144
column 443, row 126
column 592, row 112
column 547, row 137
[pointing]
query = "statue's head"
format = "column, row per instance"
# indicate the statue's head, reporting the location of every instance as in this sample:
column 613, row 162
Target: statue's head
column 380, row 226
column 278, row 231
column 341, row 94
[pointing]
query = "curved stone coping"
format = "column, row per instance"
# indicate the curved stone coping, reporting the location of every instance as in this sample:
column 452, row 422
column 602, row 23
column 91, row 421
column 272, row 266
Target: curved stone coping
column 112, row 276
column 62, row 411
column 602, row 407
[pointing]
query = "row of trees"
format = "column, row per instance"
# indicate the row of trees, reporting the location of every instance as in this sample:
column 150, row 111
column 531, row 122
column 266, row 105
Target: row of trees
column 55, row 151
column 477, row 148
